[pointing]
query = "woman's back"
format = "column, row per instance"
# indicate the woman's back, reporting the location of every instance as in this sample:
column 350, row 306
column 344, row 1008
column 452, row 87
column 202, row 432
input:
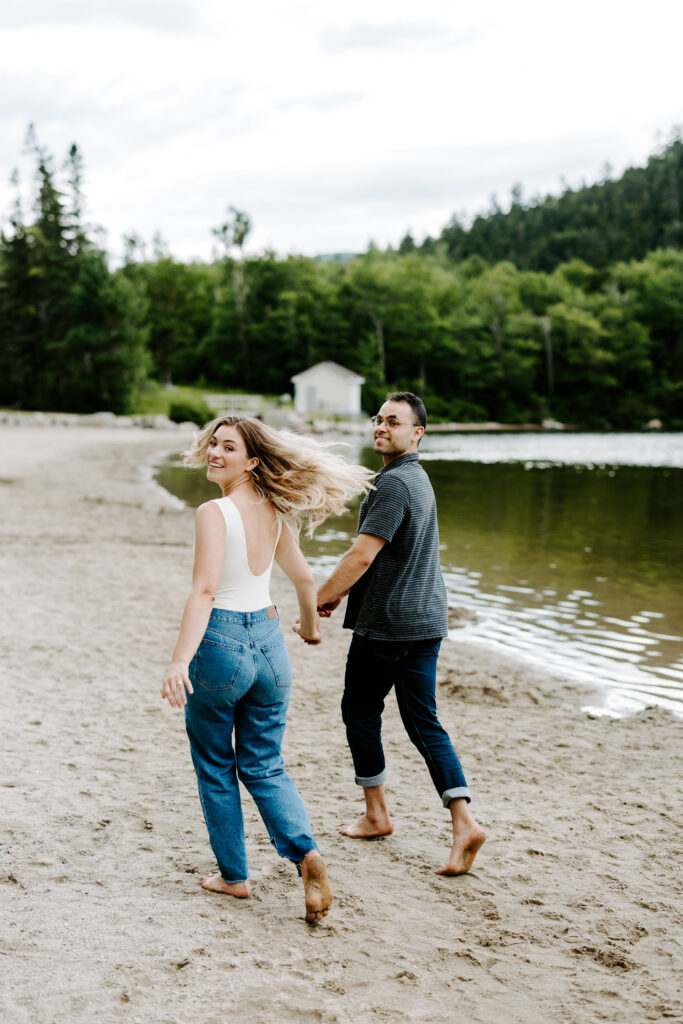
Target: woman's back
column 252, row 532
column 261, row 529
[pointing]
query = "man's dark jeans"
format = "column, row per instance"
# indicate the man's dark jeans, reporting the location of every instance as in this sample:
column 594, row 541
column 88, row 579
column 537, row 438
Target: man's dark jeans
column 372, row 668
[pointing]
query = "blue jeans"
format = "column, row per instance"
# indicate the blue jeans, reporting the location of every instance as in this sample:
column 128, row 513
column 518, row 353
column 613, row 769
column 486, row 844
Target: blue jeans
column 372, row 668
column 242, row 677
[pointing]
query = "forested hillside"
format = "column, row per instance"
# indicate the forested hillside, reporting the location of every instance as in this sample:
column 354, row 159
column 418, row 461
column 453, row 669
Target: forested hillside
column 602, row 223
column 600, row 346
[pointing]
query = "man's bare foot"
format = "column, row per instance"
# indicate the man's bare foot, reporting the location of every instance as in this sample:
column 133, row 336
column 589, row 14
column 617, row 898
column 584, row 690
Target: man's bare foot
column 317, row 888
column 368, row 827
column 216, row 883
column 463, row 851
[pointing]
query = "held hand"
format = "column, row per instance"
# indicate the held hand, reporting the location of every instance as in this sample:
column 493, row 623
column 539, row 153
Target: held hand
column 326, row 609
column 176, row 681
column 310, row 639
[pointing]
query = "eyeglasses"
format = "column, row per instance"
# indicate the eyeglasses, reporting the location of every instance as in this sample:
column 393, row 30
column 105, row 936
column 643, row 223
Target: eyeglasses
column 390, row 422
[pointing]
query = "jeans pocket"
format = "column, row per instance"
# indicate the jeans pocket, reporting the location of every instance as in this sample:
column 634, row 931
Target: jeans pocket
column 217, row 665
column 277, row 659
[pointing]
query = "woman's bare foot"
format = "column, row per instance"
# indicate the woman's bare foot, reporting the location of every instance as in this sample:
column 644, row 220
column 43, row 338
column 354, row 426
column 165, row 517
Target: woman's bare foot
column 216, row 883
column 369, row 827
column 463, row 852
column 317, row 888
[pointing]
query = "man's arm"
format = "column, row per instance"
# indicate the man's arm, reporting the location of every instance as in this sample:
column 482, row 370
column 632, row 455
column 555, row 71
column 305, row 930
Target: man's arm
column 353, row 564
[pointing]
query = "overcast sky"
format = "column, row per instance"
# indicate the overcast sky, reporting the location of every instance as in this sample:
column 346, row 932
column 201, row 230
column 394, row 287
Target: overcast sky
column 331, row 123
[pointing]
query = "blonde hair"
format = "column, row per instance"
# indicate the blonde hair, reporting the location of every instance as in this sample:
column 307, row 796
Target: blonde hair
column 301, row 478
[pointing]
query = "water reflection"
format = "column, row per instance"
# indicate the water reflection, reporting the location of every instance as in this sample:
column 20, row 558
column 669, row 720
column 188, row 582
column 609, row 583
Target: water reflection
column 573, row 567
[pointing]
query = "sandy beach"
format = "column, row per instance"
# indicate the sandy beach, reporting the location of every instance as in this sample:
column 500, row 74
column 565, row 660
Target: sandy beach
column 572, row 913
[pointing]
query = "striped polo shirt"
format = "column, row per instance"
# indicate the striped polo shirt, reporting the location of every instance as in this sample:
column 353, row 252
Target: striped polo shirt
column 402, row 595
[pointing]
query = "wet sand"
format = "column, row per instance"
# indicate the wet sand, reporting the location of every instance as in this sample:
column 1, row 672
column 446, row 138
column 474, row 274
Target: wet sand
column 571, row 913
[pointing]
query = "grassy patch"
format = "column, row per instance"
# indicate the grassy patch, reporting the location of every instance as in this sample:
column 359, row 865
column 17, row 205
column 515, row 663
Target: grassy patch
column 154, row 398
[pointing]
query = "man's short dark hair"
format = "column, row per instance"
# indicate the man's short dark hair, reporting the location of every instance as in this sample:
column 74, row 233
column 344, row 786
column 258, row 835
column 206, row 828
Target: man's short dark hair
column 415, row 403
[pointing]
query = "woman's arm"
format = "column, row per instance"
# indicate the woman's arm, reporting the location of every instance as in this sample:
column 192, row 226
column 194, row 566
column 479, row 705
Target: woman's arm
column 206, row 574
column 288, row 556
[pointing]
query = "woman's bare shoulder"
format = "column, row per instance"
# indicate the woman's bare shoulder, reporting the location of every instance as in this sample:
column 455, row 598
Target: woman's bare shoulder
column 207, row 508
column 208, row 514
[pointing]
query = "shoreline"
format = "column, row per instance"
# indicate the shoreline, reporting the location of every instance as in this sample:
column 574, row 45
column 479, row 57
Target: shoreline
column 475, row 623
column 358, row 427
column 572, row 909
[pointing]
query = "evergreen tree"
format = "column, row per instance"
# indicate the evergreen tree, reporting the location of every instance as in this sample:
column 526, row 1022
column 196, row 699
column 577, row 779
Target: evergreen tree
column 611, row 220
column 69, row 339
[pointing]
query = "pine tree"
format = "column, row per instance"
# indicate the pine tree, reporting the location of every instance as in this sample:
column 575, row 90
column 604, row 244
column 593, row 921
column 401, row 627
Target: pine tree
column 70, row 338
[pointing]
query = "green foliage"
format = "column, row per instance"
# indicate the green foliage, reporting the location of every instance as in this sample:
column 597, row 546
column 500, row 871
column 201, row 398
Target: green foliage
column 485, row 338
column 71, row 336
column 153, row 398
column 175, row 306
column 183, row 411
column 602, row 223
column 453, row 410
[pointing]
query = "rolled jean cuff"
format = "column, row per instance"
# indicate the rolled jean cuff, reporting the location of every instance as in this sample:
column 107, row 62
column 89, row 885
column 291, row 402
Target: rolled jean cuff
column 297, row 863
column 456, row 794
column 373, row 780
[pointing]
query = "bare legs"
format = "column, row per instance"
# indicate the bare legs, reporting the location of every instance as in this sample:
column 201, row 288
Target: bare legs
column 468, row 839
column 376, row 821
column 317, row 888
column 468, row 836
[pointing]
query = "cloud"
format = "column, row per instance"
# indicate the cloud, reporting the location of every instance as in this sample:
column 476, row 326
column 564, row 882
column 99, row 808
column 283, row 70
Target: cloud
column 171, row 15
column 338, row 205
column 397, row 35
column 322, row 104
column 116, row 118
column 48, row 97
column 328, row 127
column 417, row 190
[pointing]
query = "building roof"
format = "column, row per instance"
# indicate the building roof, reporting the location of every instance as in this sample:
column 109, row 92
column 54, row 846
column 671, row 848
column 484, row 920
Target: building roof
column 329, row 365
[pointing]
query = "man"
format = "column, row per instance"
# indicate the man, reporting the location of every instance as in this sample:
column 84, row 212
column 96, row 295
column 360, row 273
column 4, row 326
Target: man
column 397, row 609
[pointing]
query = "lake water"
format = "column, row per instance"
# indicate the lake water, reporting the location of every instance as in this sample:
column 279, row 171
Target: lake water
column 566, row 549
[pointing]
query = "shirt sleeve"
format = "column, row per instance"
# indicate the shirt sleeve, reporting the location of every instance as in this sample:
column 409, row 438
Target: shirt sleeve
column 388, row 509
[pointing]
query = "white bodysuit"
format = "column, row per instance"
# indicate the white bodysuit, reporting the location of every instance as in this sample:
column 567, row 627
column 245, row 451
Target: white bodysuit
column 239, row 589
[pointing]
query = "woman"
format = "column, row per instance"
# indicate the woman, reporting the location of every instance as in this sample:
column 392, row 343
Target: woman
column 231, row 658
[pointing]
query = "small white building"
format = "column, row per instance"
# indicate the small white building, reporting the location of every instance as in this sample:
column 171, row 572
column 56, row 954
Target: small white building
column 327, row 387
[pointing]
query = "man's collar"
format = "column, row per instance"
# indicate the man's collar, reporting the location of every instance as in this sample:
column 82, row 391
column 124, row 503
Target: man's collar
column 400, row 461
